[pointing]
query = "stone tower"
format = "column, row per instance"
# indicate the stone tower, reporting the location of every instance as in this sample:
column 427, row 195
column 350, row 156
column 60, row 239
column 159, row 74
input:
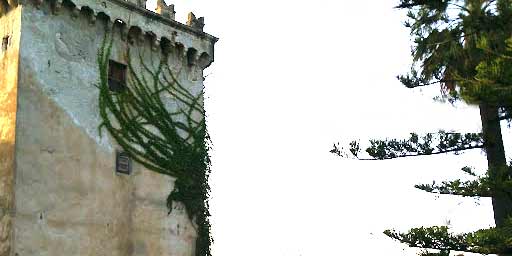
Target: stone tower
column 60, row 193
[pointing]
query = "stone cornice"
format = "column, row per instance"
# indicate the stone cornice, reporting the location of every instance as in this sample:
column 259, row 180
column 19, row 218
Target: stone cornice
column 197, row 44
column 143, row 11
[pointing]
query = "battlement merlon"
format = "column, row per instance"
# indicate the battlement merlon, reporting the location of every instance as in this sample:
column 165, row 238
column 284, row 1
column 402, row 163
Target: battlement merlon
column 133, row 14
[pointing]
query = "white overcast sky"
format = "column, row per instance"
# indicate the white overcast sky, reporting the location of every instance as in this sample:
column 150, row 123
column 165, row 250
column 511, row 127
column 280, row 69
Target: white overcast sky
column 290, row 78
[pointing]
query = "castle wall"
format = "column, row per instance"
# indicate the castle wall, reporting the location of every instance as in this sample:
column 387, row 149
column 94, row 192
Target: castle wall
column 69, row 200
column 9, row 52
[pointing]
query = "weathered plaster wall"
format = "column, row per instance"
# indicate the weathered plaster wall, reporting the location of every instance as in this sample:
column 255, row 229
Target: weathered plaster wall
column 9, row 53
column 69, row 201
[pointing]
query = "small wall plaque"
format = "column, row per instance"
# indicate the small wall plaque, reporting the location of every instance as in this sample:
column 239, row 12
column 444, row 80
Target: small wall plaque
column 123, row 163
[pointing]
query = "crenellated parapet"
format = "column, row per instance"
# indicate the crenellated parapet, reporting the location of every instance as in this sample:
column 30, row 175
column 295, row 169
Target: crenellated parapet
column 193, row 22
column 137, row 24
column 167, row 11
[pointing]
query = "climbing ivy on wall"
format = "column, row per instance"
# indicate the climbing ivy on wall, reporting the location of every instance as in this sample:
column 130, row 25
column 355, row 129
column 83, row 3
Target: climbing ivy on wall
column 168, row 141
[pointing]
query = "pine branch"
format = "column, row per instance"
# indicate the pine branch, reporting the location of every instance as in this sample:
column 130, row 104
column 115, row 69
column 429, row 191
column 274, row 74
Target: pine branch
column 475, row 188
column 429, row 144
column 483, row 186
column 485, row 241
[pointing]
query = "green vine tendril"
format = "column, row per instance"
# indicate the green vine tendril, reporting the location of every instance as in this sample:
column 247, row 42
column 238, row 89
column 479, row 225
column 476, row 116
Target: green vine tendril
column 173, row 143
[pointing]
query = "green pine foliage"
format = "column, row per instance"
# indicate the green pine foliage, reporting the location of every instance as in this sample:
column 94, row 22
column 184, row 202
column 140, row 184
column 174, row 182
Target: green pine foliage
column 485, row 241
column 173, row 143
column 465, row 47
column 481, row 186
column 493, row 76
column 429, row 144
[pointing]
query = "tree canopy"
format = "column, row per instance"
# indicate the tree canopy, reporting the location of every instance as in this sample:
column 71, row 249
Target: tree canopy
column 465, row 47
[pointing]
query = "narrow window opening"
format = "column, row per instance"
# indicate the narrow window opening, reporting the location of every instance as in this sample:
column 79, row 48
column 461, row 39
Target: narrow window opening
column 191, row 56
column 5, row 43
column 123, row 163
column 116, row 76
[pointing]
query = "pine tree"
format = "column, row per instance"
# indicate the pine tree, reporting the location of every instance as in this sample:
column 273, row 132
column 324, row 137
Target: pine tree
column 465, row 46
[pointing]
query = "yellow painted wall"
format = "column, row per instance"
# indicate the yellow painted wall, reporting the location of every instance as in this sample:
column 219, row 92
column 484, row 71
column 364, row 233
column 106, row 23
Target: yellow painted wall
column 10, row 25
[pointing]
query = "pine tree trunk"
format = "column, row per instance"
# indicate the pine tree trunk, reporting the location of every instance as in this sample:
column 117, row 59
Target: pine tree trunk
column 493, row 145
